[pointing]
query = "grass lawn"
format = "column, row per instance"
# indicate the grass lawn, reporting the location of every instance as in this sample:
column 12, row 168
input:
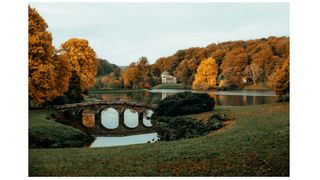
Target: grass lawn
column 44, row 132
column 101, row 91
column 256, row 143
column 169, row 86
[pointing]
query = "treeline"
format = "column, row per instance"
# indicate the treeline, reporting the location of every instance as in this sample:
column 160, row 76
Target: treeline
column 105, row 67
column 255, row 60
column 239, row 63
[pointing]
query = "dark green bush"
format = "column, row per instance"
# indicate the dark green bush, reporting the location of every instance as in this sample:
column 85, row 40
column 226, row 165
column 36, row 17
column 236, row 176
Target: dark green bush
column 179, row 128
column 185, row 103
column 174, row 128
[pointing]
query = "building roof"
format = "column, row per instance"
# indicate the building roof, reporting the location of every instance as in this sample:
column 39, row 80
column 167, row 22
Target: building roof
column 164, row 73
column 168, row 76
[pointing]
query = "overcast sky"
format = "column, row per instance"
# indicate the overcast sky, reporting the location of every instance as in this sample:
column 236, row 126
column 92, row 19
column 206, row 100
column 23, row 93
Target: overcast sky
column 121, row 33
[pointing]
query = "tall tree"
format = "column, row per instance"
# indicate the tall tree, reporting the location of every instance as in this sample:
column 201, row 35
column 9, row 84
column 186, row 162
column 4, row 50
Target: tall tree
column 82, row 59
column 45, row 82
column 280, row 80
column 206, row 76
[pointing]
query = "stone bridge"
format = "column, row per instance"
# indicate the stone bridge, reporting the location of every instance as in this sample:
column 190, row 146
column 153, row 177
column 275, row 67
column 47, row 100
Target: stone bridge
column 88, row 117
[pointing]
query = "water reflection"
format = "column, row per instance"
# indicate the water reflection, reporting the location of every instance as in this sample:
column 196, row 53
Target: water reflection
column 125, row 140
column 147, row 118
column 131, row 118
column 110, row 118
column 223, row 98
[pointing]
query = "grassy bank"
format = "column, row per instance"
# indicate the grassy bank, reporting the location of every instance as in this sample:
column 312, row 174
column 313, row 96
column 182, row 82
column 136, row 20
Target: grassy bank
column 259, row 86
column 45, row 132
column 97, row 91
column 254, row 144
column 169, row 86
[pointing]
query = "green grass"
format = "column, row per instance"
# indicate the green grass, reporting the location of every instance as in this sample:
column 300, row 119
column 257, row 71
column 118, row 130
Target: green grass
column 45, row 132
column 256, row 143
column 169, row 86
column 93, row 91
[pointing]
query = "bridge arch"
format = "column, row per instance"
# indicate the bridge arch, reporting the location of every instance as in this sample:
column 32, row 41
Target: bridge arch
column 139, row 122
column 147, row 114
column 110, row 118
column 88, row 118
column 131, row 118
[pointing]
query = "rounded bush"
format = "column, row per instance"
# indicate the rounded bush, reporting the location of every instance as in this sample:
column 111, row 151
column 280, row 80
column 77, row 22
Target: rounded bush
column 185, row 103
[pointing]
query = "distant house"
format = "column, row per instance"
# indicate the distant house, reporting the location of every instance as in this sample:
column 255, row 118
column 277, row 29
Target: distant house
column 167, row 78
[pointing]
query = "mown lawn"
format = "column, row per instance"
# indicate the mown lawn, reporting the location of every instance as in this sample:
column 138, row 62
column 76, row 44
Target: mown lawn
column 256, row 143
column 45, row 132
column 169, row 86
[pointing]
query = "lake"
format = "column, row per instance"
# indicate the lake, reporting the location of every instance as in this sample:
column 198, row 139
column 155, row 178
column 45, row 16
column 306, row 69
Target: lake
column 222, row 98
column 124, row 140
column 110, row 117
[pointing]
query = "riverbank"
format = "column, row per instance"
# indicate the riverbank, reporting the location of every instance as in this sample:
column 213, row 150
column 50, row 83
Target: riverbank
column 256, row 143
column 98, row 91
column 170, row 86
column 44, row 132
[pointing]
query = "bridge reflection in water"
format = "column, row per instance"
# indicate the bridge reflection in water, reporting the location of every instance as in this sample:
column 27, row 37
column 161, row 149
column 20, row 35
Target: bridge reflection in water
column 111, row 118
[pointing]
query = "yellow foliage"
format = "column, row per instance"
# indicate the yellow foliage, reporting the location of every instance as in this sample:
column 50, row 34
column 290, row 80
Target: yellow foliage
column 45, row 82
column 82, row 60
column 206, row 76
column 49, row 73
column 280, row 80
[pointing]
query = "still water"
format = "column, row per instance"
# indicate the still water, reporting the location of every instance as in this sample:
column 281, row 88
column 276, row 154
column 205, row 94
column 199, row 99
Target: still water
column 124, row 140
column 223, row 98
column 111, row 121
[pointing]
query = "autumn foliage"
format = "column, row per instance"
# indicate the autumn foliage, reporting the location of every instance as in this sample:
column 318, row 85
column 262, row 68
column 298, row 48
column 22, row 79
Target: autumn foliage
column 51, row 70
column 206, row 76
column 240, row 63
column 82, row 60
column 280, row 80
column 140, row 74
column 43, row 75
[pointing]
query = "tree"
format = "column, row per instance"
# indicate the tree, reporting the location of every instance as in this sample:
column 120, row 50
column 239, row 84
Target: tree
column 206, row 76
column 138, row 74
column 45, row 68
column 280, row 80
column 82, row 58
column 129, row 76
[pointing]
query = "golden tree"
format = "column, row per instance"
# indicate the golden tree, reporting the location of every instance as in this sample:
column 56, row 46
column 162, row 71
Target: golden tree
column 44, row 82
column 81, row 60
column 206, row 76
column 280, row 80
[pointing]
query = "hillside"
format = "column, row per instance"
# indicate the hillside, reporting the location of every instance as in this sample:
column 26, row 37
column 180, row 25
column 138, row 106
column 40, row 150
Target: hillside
column 239, row 64
column 255, row 144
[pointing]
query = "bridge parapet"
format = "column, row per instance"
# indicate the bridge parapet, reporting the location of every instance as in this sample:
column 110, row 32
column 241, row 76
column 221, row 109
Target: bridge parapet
column 79, row 115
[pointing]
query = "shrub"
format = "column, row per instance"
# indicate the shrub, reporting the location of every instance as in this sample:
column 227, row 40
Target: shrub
column 179, row 128
column 185, row 103
column 174, row 128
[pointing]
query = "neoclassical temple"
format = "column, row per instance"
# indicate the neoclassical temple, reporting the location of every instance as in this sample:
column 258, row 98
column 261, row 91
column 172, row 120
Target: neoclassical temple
column 167, row 78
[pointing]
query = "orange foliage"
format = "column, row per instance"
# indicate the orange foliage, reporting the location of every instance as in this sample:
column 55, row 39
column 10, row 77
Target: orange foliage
column 206, row 75
column 280, row 80
column 82, row 60
column 45, row 82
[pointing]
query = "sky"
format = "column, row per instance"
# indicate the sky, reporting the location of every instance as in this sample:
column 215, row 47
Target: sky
column 123, row 32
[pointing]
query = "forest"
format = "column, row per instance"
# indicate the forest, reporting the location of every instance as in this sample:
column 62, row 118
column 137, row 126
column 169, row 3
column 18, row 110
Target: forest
column 230, row 65
column 62, row 75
